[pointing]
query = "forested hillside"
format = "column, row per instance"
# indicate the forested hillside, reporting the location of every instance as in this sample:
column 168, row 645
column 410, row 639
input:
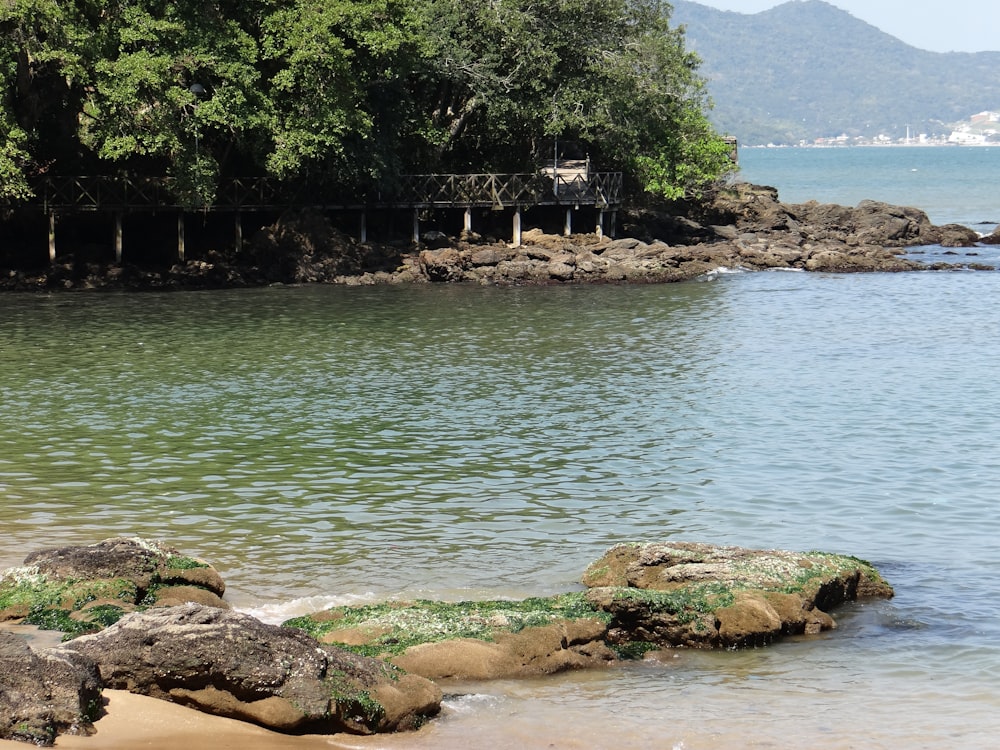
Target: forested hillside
column 345, row 94
column 807, row 69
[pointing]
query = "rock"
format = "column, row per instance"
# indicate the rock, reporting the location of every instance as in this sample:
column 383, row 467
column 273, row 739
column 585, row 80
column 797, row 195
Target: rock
column 561, row 271
column 533, row 651
column 879, row 223
column 704, row 596
column 726, row 232
column 442, row 265
column 305, row 247
column 139, row 560
column 472, row 640
column 81, row 589
column 230, row 664
column 956, row 235
column 435, row 240
column 44, row 694
column 991, row 239
column 840, row 258
column 655, row 595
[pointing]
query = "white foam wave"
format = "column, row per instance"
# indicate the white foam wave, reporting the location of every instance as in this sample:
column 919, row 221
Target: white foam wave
column 724, row 270
column 469, row 703
column 277, row 612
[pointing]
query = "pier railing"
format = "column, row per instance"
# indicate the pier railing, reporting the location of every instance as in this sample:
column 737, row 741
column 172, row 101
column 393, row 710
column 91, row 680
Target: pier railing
column 124, row 194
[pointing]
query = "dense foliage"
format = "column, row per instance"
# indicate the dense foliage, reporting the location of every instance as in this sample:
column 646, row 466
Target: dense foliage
column 347, row 94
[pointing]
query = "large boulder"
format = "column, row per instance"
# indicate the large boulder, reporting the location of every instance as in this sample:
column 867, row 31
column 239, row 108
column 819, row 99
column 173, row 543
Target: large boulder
column 955, row 235
column 81, row 589
column 43, row 694
column 230, row 664
column 869, row 223
column 992, row 239
column 828, row 257
column 707, row 596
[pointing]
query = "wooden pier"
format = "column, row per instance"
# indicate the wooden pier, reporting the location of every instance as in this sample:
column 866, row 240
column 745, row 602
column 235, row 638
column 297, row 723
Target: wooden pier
column 569, row 186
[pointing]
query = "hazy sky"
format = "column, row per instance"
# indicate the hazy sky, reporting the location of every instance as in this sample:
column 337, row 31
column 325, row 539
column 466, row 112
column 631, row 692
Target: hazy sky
column 937, row 25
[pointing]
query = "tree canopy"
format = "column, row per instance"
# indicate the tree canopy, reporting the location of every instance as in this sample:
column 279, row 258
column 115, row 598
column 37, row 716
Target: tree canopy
column 347, row 94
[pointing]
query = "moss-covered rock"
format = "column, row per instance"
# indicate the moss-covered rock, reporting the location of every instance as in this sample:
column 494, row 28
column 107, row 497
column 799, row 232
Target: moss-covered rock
column 640, row 596
column 702, row 595
column 82, row 589
column 472, row 640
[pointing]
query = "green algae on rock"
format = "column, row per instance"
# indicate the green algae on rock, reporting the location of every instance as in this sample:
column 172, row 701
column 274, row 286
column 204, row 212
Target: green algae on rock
column 641, row 596
column 81, row 589
column 702, row 595
column 471, row 639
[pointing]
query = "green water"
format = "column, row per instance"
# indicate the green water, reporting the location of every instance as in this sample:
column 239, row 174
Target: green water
column 323, row 444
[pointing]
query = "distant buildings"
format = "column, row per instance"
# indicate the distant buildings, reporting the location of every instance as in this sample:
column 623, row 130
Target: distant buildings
column 965, row 138
column 982, row 129
column 985, row 117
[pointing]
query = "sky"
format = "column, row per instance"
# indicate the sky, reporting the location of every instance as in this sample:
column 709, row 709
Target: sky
column 936, row 25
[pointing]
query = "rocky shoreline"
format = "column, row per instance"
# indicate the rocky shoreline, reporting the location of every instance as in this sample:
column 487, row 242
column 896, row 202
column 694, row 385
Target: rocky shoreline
column 140, row 616
column 744, row 227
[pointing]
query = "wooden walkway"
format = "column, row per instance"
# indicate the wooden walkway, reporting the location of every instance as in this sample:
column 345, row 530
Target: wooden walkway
column 570, row 186
column 598, row 189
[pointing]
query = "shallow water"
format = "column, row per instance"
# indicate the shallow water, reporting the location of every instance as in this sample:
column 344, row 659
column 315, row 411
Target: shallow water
column 321, row 445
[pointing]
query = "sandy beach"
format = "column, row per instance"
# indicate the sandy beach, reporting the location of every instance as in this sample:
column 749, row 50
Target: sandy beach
column 135, row 721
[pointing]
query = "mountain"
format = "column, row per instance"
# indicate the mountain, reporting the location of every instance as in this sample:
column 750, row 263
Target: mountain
column 806, row 70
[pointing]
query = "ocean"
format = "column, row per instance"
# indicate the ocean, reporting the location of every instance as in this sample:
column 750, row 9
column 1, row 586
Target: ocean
column 324, row 445
column 953, row 184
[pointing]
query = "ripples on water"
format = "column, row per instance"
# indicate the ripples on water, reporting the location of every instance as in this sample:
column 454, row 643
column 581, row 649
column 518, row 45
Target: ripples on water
column 327, row 444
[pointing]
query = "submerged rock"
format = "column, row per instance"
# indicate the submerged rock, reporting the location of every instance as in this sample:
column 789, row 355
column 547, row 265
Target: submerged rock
column 705, row 596
column 43, row 694
column 81, row 589
column 230, row 664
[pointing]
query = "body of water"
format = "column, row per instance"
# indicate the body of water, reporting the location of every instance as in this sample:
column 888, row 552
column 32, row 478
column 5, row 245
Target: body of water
column 953, row 184
column 322, row 445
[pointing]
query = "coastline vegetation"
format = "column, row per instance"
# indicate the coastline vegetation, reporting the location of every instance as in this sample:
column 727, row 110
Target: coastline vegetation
column 347, row 95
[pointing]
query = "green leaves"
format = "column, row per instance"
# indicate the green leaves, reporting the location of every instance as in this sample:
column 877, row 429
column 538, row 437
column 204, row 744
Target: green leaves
column 347, row 94
column 143, row 112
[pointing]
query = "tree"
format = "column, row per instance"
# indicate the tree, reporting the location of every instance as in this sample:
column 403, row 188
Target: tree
column 611, row 75
column 40, row 68
column 337, row 76
column 347, row 94
column 175, row 89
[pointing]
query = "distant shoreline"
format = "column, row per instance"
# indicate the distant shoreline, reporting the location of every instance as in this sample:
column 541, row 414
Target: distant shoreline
column 874, row 145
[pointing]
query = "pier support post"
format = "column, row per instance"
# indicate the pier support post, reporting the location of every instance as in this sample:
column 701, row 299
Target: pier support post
column 568, row 228
column 180, row 236
column 416, row 226
column 517, row 226
column 52, row 237
column 363, row 227
column 238, row 229
column 467, row 222
column 613, row 230
column 118, row 237
column 599, row 229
